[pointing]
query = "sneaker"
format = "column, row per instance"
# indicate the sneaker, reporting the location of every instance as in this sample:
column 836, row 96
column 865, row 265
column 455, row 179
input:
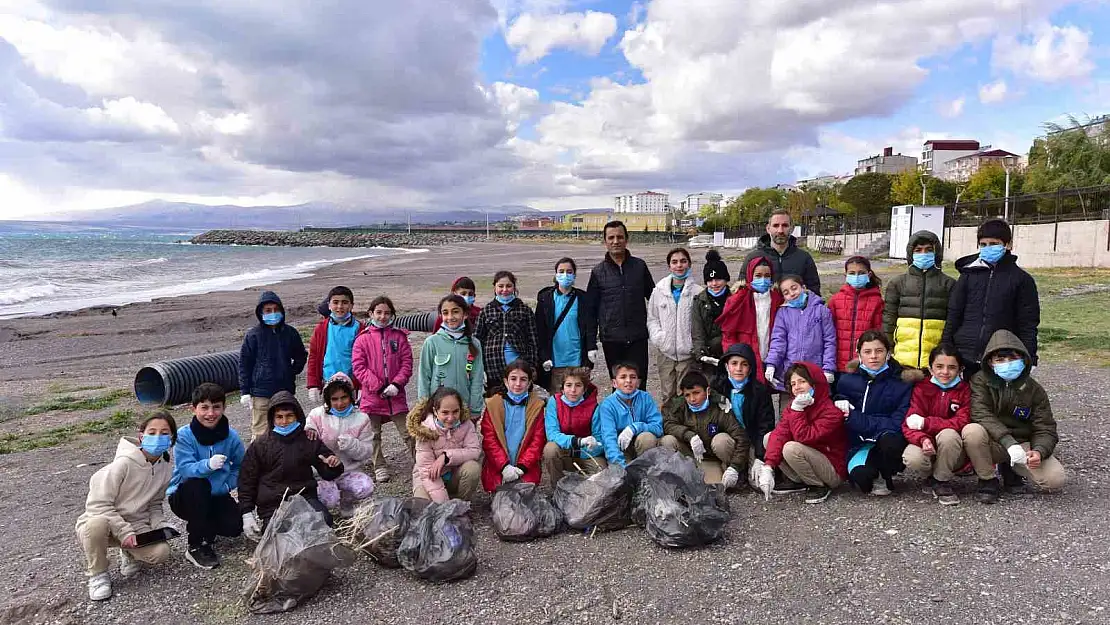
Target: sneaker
column 929, row 486
column 988, row 491
column 100, row 587
column 945, row 494
column 817, row 494
column 203, row 557
column 381, row 475
column 1012, row 483
column 787, row 486
column 881, row 487
column 128, row 566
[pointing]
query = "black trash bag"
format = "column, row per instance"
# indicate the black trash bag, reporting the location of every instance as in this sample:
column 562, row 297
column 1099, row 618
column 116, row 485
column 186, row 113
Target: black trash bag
column 293, row 560
column 677, row 507
column 643, row 463
column 439, row 544
column 384, row 528
column 602, row 500
column 521, row 512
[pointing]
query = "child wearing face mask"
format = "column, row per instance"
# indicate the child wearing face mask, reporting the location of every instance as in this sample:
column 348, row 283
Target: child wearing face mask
column 803, row 330
column 708, row 305
column 340, row 425
column 463, row 287
column 270, row 359
column 629, row 421
column 670, row 312
column 751, row 407
column 1012, row 423
column 874, row 399
column 447, row 448
column 749, row 314
column 506, row 329
column 856, row 308
column 915, row 304
column 382, row 363
column 332, row 343
column 940, row 409
column 700, row 424
column 566, row 332
column 513, row 433
column 452, row 357
column 570, row 419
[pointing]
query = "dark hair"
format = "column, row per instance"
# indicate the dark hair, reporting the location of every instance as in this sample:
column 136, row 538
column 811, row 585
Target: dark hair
column 623, row 364
column 780, row 211
column 802, row 371
column 866, row 262
column 678, row 250
column 164, row 416
column 693, row 379
column 565, row 259
column 616, row 223
column 338, row 384
column 946, row 349
column 582, row 373
column 442, row 393
column 463, row 282
column 504, row 273
column 209, row 392
column 793, row 277
column 874, row 335
column 383, row 299
column 519, row 365
column 341, row 290
column 467, row 330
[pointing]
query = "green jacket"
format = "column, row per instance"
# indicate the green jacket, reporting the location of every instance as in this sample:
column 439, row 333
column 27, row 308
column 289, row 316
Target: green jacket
column 915, row 305
column 703, row 325
column 445, row 361
column 1012, row 412
column 684, row 424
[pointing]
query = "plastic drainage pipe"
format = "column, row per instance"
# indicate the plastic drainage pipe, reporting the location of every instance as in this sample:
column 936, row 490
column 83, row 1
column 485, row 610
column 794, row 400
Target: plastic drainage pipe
column 171, row 382
column 416, row 322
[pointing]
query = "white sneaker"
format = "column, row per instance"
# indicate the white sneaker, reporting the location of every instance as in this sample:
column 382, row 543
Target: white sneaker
column 879, row 487
column 100, row 587
column 381, row 475
column 128, row 566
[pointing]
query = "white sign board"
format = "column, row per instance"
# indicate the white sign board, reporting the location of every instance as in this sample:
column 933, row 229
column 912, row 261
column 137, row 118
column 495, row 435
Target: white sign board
column 907, row 219
column 718, row 239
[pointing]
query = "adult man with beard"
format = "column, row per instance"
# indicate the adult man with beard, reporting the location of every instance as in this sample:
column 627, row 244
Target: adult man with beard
column 781, row 248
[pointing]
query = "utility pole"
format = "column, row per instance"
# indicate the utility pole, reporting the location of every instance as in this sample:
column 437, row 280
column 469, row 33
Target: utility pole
column 409, row 216
column 1006, row 204
column 923, row 187
column 487, row 225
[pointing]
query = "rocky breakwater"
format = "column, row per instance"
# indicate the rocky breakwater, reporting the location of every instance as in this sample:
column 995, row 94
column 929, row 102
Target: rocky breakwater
column 332, row 238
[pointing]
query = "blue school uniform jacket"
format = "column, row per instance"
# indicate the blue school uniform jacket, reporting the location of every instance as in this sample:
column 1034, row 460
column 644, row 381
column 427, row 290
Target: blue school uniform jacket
column 190, row 460
column 614, row 415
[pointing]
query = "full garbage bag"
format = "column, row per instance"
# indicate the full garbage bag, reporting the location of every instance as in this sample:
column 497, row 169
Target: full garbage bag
column 521, row 512
column 675, row 505
column 381, row 526
column 439, row 545
column 602, row 500
column 293, row 560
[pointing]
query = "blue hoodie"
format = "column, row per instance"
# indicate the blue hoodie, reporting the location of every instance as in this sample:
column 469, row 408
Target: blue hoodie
column 614, row 415
column 271, row 356
column 190, row 460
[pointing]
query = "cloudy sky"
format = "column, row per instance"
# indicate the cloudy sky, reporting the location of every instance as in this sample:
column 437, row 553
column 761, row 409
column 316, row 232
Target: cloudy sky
column 546, row 103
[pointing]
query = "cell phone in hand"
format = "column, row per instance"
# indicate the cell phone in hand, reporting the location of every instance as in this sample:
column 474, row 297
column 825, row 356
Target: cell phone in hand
column 159, row 535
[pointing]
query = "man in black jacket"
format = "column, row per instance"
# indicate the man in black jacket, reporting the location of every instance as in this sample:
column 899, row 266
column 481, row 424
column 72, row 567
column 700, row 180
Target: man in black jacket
column 992, row 294
column 781, row 248
column 617, row 296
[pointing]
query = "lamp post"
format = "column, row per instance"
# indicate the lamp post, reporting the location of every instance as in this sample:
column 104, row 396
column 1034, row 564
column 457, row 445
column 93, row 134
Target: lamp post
column 923, row 188
column 1006, row 202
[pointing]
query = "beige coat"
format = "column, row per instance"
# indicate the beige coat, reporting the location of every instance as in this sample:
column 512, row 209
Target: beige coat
column 128, row 492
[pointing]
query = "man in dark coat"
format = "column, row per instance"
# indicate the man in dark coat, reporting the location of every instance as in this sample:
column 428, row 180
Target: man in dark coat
column 781, row 248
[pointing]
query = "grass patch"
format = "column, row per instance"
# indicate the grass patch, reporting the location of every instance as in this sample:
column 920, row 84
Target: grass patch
column 68, row 403
column 306, row 334
column 1076, row 328
column 12, row 443
column 61, row 387
column 1054, row 281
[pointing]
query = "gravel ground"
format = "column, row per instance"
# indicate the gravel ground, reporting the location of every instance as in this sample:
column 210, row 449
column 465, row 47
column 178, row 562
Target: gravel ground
column 904, row 559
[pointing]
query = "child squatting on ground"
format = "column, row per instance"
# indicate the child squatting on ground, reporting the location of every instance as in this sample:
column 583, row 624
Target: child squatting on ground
column 447, row 447
column 570, row 421
column 340, row 425
column 698, row 417
column 629, row 422
column 513, row 433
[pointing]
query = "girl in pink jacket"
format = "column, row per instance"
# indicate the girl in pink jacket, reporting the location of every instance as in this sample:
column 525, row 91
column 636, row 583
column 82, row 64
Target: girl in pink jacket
column 347, row 430
column 382, row 362
column 447, row 448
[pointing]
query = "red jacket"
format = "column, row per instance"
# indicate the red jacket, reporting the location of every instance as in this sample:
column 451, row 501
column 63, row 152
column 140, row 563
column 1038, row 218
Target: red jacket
column 854, row 312
column 577, row 421
column 380, row 357
column 317, row 347
column 738, row 320
column 495, row 447
column 943, row 410
column 821, row 427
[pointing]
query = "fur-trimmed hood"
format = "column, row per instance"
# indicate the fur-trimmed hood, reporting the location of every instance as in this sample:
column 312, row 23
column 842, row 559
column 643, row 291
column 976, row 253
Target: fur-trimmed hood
column 910, row 375
column 415, row 422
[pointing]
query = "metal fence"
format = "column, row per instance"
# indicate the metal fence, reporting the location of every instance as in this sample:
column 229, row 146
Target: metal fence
column 1085, row 204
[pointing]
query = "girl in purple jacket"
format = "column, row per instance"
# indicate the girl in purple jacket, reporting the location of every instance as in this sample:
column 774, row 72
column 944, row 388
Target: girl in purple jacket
column 804, row 332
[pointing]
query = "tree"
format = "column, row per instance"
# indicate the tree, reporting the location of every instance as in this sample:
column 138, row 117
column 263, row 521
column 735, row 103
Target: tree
column 905, row 188
column 756, row 204
column 990, row 182
column 869, row 193
column 1070, row 156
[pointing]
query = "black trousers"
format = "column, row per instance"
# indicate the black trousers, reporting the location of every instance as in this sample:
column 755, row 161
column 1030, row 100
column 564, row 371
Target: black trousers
column 206, row 515
column 883, row 462
column 635, row 352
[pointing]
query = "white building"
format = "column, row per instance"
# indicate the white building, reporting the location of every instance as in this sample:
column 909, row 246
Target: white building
column 936, row 155
column 963, row 168
column 694, row 202
column 643, row 202
column 886, row 163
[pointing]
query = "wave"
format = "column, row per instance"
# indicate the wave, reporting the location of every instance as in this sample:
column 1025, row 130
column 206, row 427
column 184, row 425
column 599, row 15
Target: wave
column 152, row 261
column 22, row 294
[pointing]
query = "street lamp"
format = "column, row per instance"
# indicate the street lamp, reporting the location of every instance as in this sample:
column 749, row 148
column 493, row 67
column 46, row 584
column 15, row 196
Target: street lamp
column 923, row 187
column 1006, row 203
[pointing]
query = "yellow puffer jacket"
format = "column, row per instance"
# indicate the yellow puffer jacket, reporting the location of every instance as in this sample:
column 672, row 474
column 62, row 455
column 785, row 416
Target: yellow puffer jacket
column 912, row 342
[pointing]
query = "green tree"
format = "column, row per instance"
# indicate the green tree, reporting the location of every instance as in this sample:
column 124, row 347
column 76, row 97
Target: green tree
column 869, row 194
column 905, row 188
column 756, row 204
column 990, row 182
column 1071, row 155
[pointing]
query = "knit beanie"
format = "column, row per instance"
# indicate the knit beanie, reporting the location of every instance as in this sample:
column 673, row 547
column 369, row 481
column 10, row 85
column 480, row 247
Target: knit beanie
column 715, row 268
column 995, row 229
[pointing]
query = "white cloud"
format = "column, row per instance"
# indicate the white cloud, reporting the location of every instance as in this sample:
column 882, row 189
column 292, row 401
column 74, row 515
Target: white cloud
column 130, row 113
column 1048, row 53
column 536, row 35
column 517, row 103
column 993, row 93
column 955, row 108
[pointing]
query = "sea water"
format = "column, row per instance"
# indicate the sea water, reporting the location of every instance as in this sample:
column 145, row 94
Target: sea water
column 51, row 267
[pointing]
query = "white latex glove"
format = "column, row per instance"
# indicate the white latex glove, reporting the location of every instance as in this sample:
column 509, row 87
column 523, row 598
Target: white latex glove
column 510, row 473
column 217, row 462
column 698, row 447
column 709, row 360
column 590, row 443
column 769, row 373
column 548, row 365
column 390, row 391
column 915, row 422
column 766, row 481
column 801, row 402
column 830, row 378
column 346, row 442
column 592, row 356
column 250, row 527
column 315, row 396
column 625, row 438
column 729, row 479
column 1017, row 454
column 245, row 400
column 845, row 406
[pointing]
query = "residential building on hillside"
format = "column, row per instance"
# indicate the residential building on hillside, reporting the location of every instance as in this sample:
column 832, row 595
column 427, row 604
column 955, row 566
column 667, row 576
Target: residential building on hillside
column 963, row 168
column 694, row 202
column 635, row 222
column 886, row 163
column 822, row 181
column 936, row 154
column 1094, row 127
column 643, row 202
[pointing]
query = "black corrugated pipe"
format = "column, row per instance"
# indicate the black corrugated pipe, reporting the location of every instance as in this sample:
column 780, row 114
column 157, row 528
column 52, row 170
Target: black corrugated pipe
column 171, row 382
column 416, row 322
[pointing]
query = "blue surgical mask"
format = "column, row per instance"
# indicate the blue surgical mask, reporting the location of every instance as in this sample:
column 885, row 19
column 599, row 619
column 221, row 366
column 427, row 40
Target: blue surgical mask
column 340, row 319
column 343, row 413
column 700, row 407
column 624, row 395
column 286, row 430
column 272, row 319
column 378, row 324
column 857, row 281
column 874, row 372
column 738, row 385
column 1010, row 370
column 442, row 426
column 469, row 299
column 761, row 285
column 799, row 302
column 565, row 280
column 516, row 397
column 505, row 299
column 924, row 260
column 156, row 444
column 992, row 253
column 717, row 292
column 570, row 403
column 457, row 330
column 681, row 276
column 956, row 380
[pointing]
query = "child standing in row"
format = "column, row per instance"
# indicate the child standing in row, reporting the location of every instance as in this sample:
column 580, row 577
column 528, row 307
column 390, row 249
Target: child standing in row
column 463, row 287
column 629, row 421
column 701, row 424
column 708, row 306
column 333, row 339
column 341, row 426
column 916, row 303
column 749, row 315
column 570, row 419
column 856, row 308
column 669, row 322
column 270, row 359
column 447, row 448
column 513, row 430
column 452, row 357
column 803, row 331
column 566, row 332
column 506, row 329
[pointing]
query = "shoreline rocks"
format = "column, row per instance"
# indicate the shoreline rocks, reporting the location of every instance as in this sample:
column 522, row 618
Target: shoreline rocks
column 357, row 238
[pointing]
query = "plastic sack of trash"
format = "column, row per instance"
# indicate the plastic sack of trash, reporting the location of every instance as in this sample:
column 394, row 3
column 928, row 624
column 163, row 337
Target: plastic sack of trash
column 602, row 500
column 521, row 512
column 293, row 560
column 379, row 528
column 639, row 467
column 439, row 544
column 676, row 507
